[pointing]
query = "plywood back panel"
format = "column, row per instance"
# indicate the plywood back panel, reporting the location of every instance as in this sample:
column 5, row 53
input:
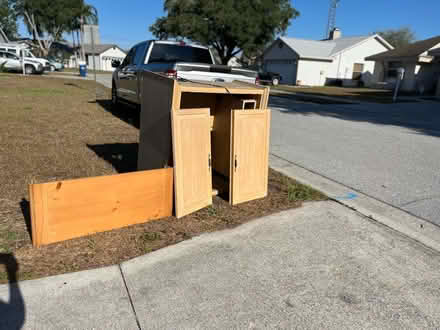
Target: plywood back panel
column 67, row 209
column 249, row 155
column 192, row 160
column 155, row 150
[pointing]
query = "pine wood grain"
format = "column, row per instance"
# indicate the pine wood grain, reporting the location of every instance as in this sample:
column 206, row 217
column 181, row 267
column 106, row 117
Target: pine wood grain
column 73, row 208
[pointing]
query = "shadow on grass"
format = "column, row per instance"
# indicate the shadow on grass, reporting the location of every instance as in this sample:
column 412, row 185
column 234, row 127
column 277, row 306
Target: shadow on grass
column 12, row 313
column 122, row 156
column 25, row 207
column 124, row 112
column 73, row 85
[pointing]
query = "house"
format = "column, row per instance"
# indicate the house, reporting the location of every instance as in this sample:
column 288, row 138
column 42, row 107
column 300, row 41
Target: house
column 436, row 53
column 421, row 61
column 104, row 55
column 321, row 62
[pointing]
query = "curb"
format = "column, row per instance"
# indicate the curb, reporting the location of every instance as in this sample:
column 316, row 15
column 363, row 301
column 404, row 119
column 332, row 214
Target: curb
column 310, row 97
column 405, row 223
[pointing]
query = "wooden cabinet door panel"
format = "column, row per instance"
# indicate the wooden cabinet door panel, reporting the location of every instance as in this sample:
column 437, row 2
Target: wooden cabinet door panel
column 192, row 160
column 249, row 155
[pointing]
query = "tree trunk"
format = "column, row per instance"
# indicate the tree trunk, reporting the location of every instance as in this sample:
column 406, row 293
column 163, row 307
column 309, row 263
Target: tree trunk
column 31, row 20
column 3, row 34
column 83, row 55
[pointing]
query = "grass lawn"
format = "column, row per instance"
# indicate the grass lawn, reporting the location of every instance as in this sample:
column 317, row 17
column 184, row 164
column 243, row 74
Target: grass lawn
column 55, row 129
column 352, row 94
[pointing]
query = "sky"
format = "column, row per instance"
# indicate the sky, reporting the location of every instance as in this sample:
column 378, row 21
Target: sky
column 126, row 23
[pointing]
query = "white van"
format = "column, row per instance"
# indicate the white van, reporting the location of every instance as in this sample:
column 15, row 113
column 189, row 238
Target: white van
column 23, row 50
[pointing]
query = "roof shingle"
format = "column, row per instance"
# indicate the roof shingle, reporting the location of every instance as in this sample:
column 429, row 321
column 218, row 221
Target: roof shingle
column 412, row 50
column 323, row 49
column 99, row 48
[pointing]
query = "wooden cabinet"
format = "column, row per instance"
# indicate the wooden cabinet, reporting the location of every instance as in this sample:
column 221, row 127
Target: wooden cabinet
column 220, row 139
column 249, row 155
column 192, row 160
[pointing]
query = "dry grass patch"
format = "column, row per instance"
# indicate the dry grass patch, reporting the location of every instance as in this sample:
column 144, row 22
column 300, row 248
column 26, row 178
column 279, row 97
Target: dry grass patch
column 52, row 129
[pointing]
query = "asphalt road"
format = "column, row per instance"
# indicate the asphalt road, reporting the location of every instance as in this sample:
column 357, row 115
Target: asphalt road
column 390, row 152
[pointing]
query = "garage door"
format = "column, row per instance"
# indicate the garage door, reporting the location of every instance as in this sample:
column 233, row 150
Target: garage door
column 286, row 68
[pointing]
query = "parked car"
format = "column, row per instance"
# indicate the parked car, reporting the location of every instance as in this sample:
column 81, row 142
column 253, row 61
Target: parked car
column 55, row 65
column 269, row 77
column 176, row 60
column 11, row 62
column 22, row 50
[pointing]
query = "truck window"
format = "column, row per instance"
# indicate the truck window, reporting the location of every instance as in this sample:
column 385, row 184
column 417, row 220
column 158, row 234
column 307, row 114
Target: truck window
column 168, row 53
column 128, row 60
column 28, row 54
column 140, row 53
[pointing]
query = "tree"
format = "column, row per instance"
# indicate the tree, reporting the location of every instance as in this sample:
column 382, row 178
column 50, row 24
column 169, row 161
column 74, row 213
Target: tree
column 84, row 14
column 47, row 20
column 398, row 37
column 229, row 26
column 8, row 20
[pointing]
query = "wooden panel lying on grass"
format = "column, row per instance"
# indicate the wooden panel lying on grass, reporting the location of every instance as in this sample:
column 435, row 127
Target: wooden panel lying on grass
column 67, row 209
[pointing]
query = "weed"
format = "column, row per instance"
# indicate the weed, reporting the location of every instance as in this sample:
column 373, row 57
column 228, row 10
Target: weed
column 148, row 237
column 298, row 192
column 212, row 211
column 91, row 243
column 5, row 249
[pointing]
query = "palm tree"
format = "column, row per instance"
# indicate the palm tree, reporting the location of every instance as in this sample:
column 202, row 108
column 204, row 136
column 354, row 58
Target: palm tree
column 84, row 14
column 88, row 14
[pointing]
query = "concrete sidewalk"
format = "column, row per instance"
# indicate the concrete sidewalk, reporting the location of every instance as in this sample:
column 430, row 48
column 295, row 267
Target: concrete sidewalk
column 320, row 266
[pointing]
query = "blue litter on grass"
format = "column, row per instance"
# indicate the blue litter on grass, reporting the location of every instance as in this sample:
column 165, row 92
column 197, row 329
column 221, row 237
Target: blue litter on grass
column 348, row 196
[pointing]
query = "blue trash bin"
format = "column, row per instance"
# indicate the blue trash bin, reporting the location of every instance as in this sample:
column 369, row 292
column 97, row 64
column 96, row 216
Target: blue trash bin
column 83, row 70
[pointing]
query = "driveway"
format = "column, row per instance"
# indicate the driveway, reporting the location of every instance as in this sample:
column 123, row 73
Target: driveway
column 390, row 152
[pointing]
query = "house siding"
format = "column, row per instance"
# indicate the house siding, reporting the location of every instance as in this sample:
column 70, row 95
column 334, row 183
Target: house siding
column 312, row 73
column 343, row 64
column 108, row 56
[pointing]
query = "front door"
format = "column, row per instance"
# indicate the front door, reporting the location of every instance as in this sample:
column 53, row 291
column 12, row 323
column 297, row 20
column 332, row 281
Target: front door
column 249, row 155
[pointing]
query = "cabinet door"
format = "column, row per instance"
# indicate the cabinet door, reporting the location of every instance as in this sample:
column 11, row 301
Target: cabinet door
column 249, row 155
column 192, row 160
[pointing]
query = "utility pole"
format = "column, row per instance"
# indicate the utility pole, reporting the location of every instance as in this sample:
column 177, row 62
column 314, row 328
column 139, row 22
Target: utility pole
column 331, row 17
column 83, row 56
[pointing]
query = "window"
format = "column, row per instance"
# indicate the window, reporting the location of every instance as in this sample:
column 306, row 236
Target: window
column 129, row 58
column 358, row 69
column 12, row 56
column 392, row 69
column 140, row 53
column 169, row 53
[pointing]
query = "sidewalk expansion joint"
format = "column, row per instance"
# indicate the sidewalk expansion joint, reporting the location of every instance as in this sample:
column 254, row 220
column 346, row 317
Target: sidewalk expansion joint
column 129, row 297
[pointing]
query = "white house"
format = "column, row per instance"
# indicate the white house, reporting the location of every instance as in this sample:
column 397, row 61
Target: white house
column 436, row 53
column 104, row 55
column 421, row 61
column 321, row 62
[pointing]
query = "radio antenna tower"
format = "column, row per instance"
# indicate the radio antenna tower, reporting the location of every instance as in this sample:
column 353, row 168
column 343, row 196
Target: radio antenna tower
column 331, row 17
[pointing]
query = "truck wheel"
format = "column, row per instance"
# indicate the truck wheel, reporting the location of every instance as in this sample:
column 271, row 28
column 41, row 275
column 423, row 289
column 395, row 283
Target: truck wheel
column 52, row 68
column 29, row 69
column 275, row 81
